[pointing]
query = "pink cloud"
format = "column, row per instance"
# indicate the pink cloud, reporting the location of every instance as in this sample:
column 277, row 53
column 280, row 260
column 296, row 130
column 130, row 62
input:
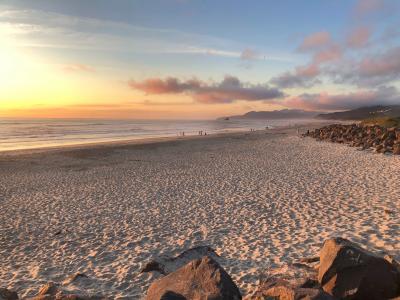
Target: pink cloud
column 387, row 64
column 358, row 37
column 227, row 91
column 315, row 41
column 324, row 50
column 330, row 53
column 372, row 70
column 311, row 70
column 306, row 76
column 364, row 7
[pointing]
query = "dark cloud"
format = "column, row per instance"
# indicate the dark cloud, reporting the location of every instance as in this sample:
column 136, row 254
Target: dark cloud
column 302, row 77
column 170, row 85
column 227, row 91
column 327, row 102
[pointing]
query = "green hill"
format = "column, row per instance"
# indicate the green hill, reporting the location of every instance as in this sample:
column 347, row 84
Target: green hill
column 362, row 113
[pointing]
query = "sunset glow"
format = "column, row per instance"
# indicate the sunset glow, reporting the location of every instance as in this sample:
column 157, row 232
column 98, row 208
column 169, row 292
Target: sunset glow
column 66, row 60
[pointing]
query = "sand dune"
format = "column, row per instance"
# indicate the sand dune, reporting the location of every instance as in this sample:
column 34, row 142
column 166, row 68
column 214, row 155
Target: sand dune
column 259, row 199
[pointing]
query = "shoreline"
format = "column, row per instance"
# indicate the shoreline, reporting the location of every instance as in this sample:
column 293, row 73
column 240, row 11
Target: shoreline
column 41, row 134
column 152, row 140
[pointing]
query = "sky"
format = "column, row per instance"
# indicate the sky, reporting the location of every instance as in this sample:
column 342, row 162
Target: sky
column 187, row 59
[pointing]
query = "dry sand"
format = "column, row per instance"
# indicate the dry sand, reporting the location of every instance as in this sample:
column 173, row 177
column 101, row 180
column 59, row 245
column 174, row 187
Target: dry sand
column 260, row 199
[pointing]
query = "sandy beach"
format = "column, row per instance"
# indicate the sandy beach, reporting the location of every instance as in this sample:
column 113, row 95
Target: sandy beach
column 260, row 199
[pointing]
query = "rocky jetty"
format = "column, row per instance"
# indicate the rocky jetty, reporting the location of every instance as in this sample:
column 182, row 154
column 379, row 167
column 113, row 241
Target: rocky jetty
column 378, row 138
column 343, row 270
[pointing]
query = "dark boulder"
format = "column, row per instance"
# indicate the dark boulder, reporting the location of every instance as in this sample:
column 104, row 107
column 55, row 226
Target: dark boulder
column 349, row 272
column 199, row 279
column 6, row 294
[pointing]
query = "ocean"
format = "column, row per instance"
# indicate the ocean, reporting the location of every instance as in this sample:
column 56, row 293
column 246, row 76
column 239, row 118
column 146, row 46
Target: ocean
column 17, row 134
